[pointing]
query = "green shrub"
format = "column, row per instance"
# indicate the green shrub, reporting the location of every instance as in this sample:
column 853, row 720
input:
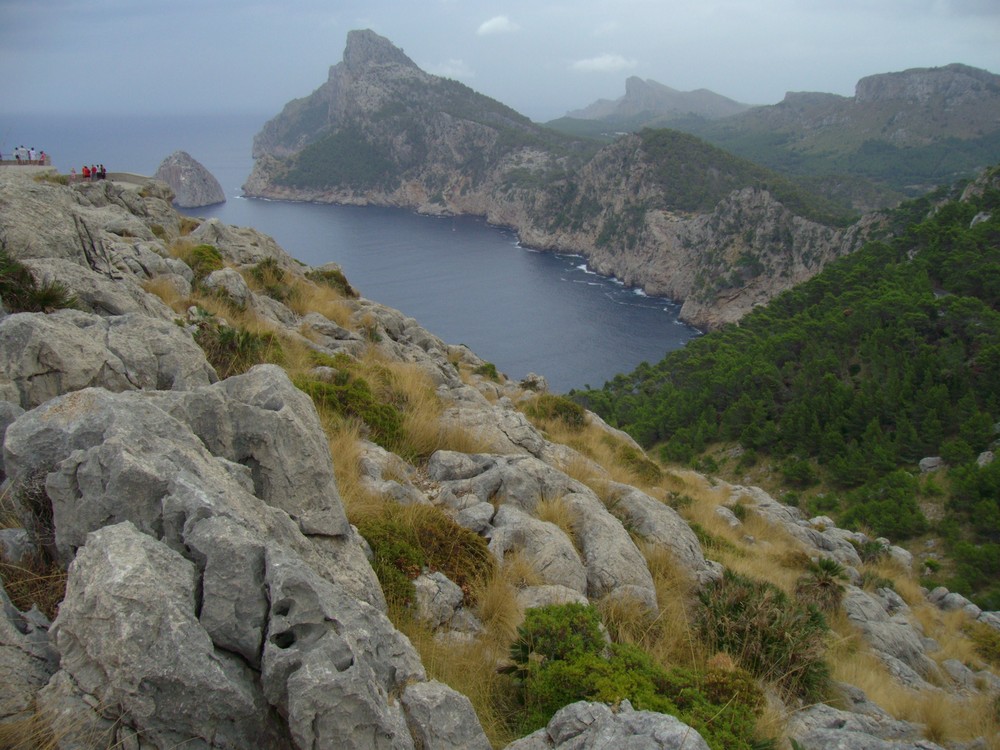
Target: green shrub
column 232, row 351
column 202, row 259
column 21, row 293
column 557, row 408
column 397, row 560
column 770, row 636
column 273, row 280
column 350, row 396
column 404, row 541
column 821, row 586
column 561, row 656
column 333, row 278
column 488, row 370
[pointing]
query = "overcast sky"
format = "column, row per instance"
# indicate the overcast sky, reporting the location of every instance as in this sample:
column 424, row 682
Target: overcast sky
column 541, row 57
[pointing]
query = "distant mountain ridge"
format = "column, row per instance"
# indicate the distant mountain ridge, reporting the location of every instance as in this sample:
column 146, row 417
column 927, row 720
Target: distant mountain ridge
column 903, row 132
column 655, row 100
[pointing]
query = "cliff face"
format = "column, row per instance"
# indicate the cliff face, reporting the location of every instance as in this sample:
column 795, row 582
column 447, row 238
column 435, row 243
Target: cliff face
column 380, row 131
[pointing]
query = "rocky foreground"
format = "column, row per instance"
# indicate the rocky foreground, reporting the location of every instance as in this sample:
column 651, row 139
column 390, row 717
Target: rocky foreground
column 218, row 596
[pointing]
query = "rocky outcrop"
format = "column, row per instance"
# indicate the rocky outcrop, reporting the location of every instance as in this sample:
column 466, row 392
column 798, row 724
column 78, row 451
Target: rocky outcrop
column 193, row 185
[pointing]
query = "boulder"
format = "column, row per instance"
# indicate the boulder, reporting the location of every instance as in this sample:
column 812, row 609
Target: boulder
column 441, row 718
column 596, row 726
column 128, row 634
column 47, row 355
column 658, row 523
column 193, row 185
column 543, row 545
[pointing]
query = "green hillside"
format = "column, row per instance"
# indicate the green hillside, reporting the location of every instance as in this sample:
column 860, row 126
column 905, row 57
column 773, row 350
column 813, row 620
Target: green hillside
column 843, row 384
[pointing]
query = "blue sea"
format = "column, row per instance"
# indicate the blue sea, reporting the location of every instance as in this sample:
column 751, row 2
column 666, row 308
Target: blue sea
column 464, row 280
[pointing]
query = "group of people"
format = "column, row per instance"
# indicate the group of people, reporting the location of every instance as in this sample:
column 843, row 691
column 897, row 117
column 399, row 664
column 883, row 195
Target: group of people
column 93, row 172
column 25, row 155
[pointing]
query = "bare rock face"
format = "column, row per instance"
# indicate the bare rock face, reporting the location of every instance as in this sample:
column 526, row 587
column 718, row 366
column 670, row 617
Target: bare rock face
column 193, row 185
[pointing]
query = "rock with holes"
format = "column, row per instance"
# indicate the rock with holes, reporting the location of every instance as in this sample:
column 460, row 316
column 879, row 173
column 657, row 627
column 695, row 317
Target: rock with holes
column 129, row 636
column 330, row 662
column 596, row 726
column 46, row 355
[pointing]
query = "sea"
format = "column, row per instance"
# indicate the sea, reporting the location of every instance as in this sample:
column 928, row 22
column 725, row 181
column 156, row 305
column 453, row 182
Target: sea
column 466, row 281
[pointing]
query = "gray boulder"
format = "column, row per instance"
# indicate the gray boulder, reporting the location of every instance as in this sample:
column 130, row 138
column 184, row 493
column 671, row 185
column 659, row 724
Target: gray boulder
column 331, row 662
column 128, row 634
column 822, row 727
column 193, row 185
column 660, row 524
column 544, row 545
column 46, row 355
column 26, row 661
column 595, row 726
column 889, row 634
column 441, row 718
column 228, row 283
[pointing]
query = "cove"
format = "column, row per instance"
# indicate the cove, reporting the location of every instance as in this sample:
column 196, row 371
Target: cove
column 472, row 283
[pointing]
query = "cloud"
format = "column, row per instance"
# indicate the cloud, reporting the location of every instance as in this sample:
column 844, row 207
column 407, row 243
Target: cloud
column 497, row 25
column 605, row 63
column 451, row 68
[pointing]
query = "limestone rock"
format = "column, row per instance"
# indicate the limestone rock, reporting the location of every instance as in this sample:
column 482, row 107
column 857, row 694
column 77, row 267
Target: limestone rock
column 595, row 726
column 47, row 355
column 441, row 718
column 129, row 635
column 193, row 185
column 543, row 545
column 26, row 661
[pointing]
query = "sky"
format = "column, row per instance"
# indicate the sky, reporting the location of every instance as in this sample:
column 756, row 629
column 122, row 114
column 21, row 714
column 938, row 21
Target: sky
column 541, row 57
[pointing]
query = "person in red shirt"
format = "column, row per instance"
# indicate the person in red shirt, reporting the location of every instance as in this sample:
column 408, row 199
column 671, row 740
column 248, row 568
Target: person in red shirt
column 86, row 172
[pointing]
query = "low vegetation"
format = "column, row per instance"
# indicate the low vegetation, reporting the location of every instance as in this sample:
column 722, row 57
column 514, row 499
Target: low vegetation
column 844, row 383
column 19, row 291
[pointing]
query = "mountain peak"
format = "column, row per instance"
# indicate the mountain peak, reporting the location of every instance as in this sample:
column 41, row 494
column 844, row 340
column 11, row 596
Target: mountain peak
column 365, row 47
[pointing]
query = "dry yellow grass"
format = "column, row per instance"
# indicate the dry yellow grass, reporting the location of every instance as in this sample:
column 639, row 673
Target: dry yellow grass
column 309, row 297
column 557, row 511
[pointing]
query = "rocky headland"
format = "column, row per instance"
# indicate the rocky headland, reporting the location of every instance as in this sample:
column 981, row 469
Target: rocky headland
column 174, row 420
column 682, row 219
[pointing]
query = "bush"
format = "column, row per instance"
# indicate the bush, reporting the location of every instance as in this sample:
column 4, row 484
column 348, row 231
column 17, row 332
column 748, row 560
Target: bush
column 561, row 656
column 770, row 636
column 821, row 586
column 351, row 396
column 488, row 370
column 557, row 408
column 405, row 541
column 202, row 259
column 232, row 351
column 272, row 279
column 333, row 278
